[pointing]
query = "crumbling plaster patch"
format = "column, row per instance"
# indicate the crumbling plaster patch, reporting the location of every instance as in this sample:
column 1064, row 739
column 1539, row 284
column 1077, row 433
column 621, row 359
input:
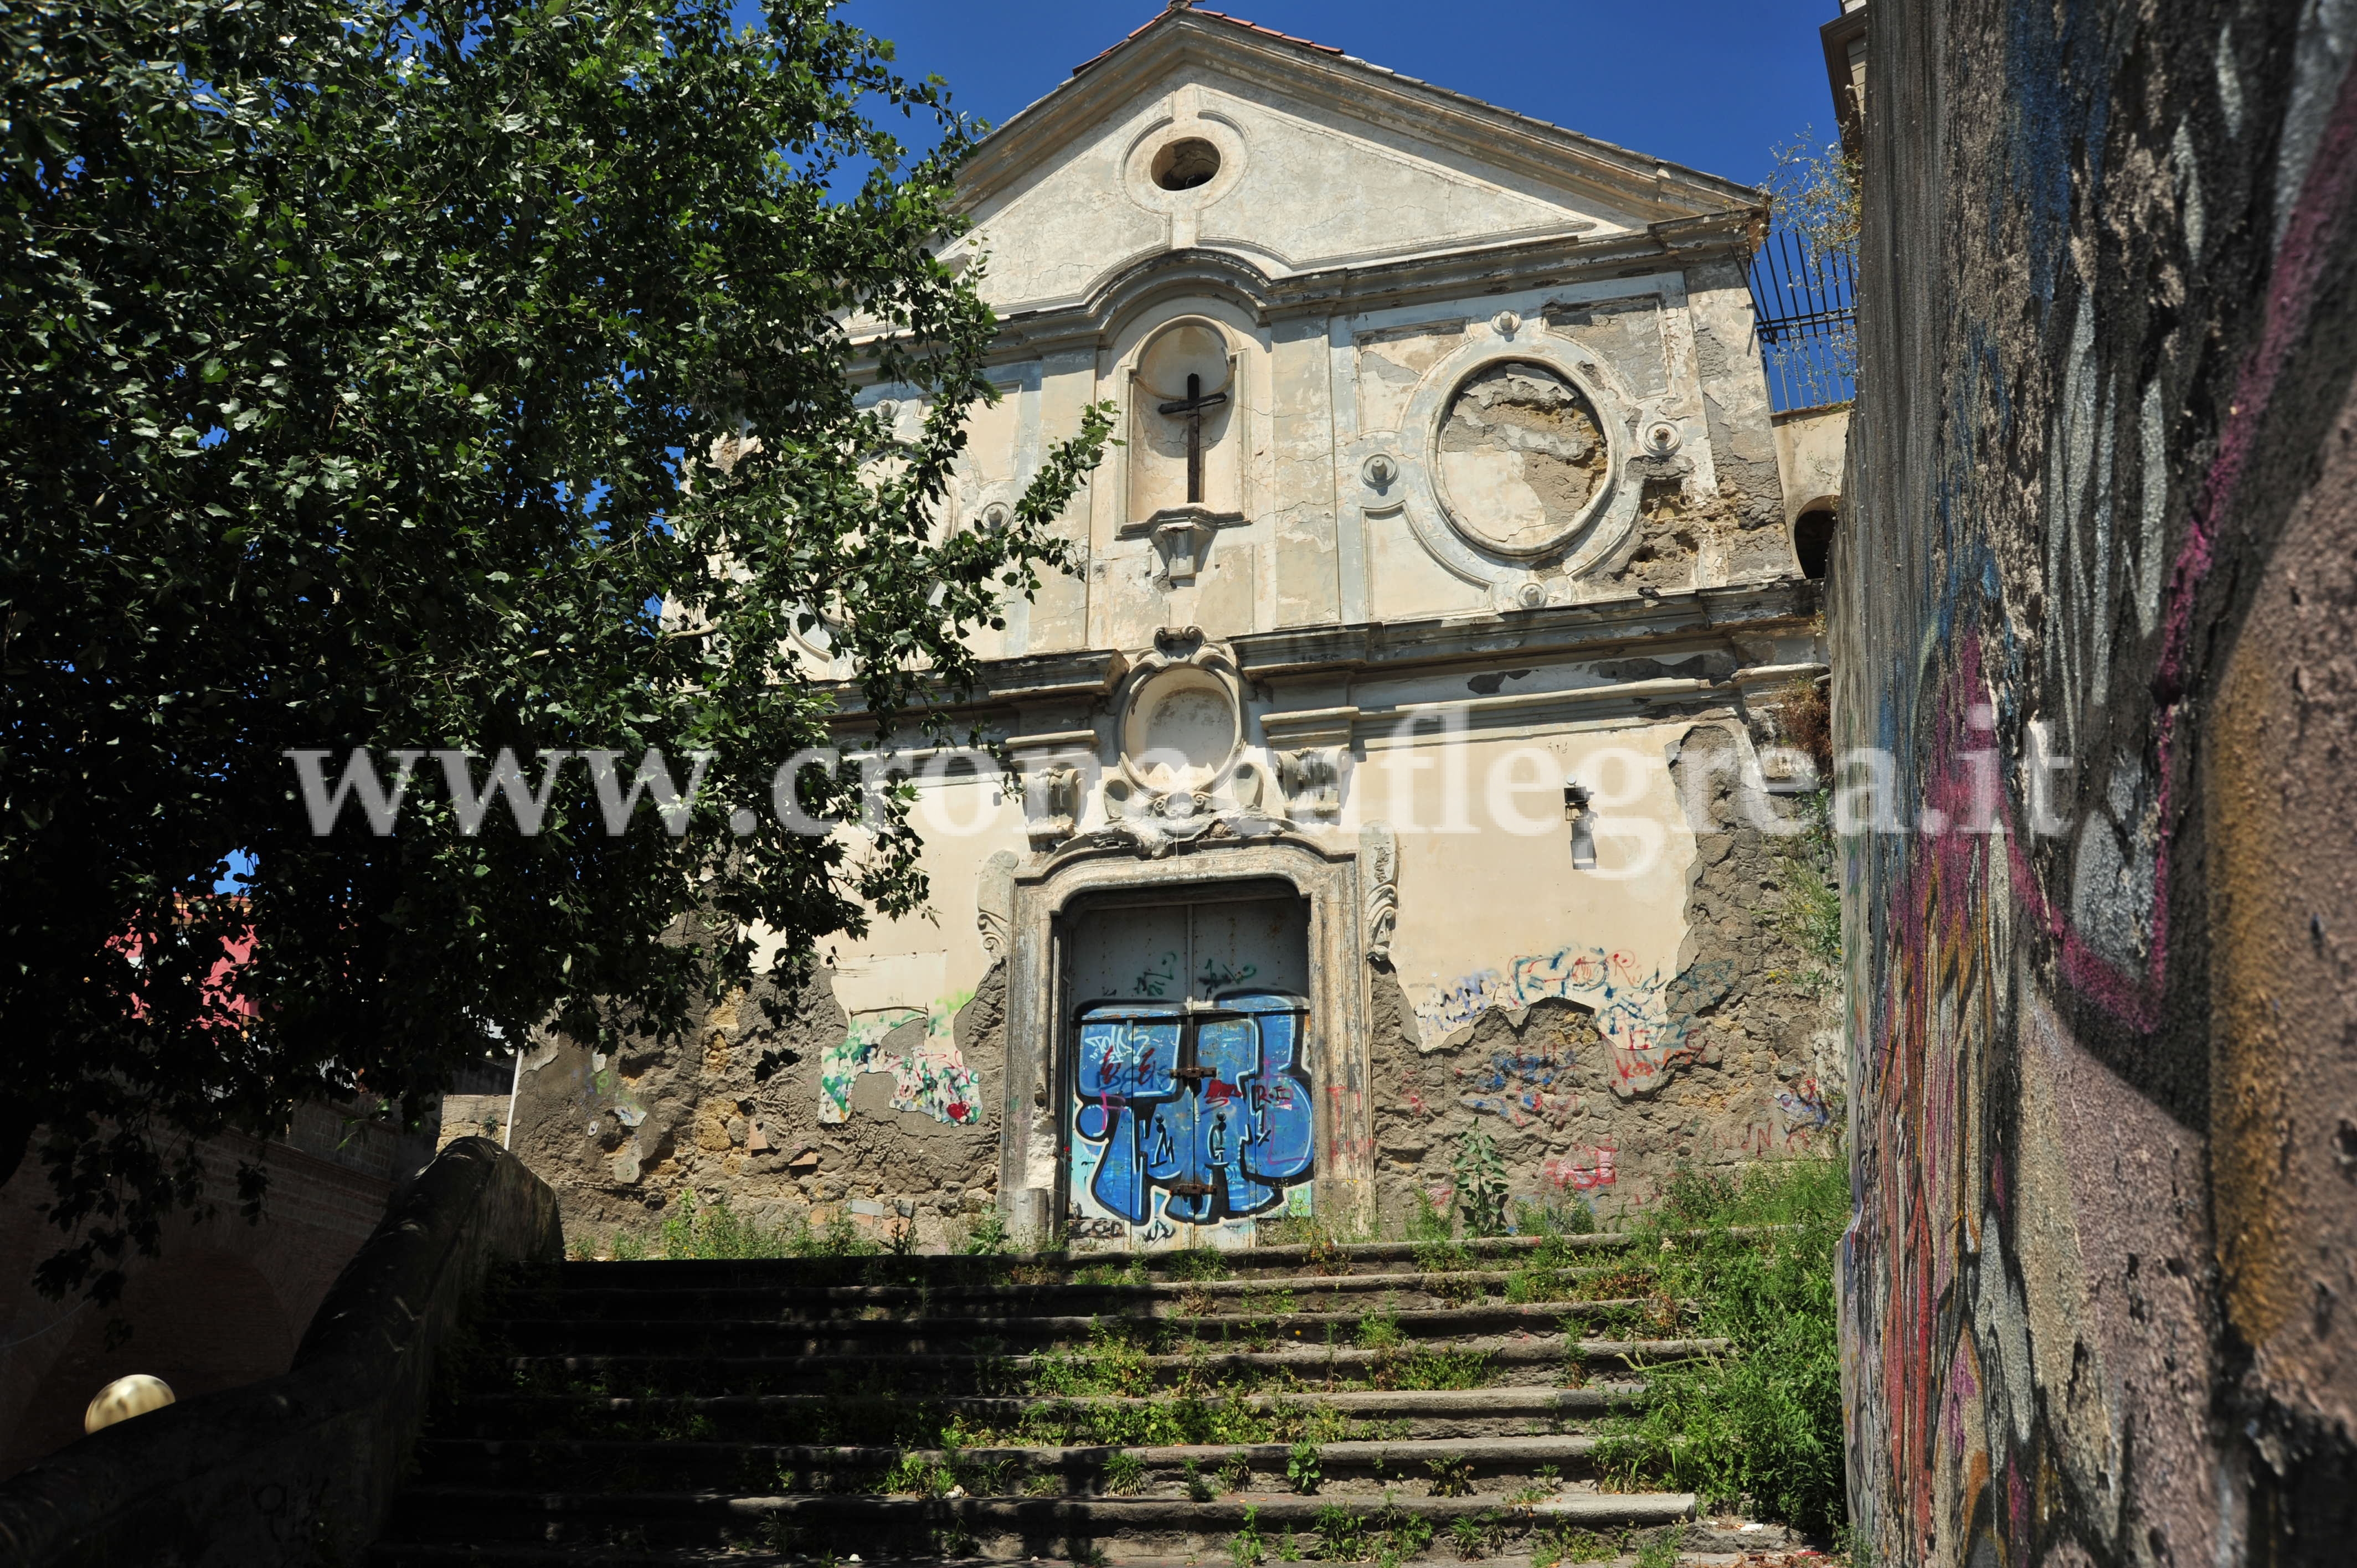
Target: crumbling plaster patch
column 1758, row 1074
column 698, row 1111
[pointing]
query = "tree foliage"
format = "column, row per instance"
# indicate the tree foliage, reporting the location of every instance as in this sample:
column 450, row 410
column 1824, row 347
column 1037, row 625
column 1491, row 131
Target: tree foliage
column 476, row 375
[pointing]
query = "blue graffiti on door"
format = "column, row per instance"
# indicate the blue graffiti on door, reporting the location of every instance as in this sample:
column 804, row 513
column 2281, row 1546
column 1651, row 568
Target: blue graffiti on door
column 1213, row 1110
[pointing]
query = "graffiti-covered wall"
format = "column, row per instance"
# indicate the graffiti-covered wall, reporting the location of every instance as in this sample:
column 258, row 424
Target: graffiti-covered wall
column 2093, row 603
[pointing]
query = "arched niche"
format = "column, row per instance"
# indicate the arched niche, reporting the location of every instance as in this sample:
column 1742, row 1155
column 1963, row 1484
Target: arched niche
column 1155, row 355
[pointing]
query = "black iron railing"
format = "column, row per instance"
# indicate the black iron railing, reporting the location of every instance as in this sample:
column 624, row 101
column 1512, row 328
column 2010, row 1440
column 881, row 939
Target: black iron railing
column 1805, row 301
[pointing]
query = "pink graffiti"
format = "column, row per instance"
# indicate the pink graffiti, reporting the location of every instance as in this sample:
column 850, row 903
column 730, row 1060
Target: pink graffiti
column 1585, row 1172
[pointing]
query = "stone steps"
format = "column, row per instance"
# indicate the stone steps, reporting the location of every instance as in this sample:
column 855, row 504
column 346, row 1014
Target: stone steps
column 1531, row 1358
column 1191, row 1298
column 1054, row 1527
column 953, row 1409
column 779, row 1418
column 1435, row 1465
column 1034, row 1269
column 788, row 1335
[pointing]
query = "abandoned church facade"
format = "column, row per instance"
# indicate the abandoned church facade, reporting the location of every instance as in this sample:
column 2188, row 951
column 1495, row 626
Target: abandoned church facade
column 1408, row 766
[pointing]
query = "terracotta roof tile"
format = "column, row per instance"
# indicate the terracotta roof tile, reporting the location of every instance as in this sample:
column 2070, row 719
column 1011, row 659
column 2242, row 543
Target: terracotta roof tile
column 1217, row 16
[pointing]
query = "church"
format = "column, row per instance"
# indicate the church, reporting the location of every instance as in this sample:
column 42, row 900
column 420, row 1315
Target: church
column 1413, row 772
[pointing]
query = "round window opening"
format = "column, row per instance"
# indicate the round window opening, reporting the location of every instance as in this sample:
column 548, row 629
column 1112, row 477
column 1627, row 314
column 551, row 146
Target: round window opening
column 1184, row 165
column 1523, row 455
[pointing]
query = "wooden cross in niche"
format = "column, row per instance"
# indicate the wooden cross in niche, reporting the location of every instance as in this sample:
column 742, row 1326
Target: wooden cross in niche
column 1192, row 406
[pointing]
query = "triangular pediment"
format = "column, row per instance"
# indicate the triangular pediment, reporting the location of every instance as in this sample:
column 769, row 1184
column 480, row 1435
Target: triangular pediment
column 1323, row 162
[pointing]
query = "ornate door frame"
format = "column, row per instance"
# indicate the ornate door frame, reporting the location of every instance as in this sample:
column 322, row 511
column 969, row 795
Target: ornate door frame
column 1032, row 1165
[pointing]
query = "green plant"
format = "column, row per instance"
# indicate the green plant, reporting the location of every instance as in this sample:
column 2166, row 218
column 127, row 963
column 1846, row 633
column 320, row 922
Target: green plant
column 1380, row 1330
column 838, row 1238
column 987, row 1236
column 1659, row 1551
column 1478, row 1535
column 1198, row 1487
column 1290, row 1548
column 1199, row 1263
column 1341, row 1534
column 1480, row 1180
column 1571, row 1546
column 1124, row 1475
column 1560, row 1214
column 1245, row 1548
column 1404, row 1535
column 1450, row 1477
column 919, row 1475
column 1756, row 1252
column 695, row 1228
column 1235, row 1471
column 1426, row 1367
column 1302, row 1470
column 1807, row 913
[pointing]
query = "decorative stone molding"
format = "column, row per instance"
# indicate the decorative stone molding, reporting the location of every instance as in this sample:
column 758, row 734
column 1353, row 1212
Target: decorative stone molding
column 1154, row 825
column 1378, row 873
column 1536, row 565
column 1183, row 535
column 1181, row 727
column 1052, row 800
column 1312, row 778
column 1310, row 726
column 993, row 909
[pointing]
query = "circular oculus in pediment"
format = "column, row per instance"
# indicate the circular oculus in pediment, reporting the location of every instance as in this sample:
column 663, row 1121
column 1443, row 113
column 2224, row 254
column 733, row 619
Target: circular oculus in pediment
column 1522, row 458
column 1186, row 163
column 1183, row 731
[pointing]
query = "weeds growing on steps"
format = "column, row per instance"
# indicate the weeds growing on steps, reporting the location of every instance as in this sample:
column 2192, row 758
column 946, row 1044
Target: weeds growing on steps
column 695, row 1228
column 1480, row 1180
column 1553, row 1547
column 1124, row 1475
column 1763, row 1422
column 1245, row 1548
column 1386, row 1537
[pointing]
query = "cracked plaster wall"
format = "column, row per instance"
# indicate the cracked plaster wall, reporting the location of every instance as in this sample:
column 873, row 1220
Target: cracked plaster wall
column 1748, row 1063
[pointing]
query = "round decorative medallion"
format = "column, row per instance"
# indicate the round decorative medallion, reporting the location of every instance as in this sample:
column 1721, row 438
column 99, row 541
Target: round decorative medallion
column 1522, row 456
column 1182, row 730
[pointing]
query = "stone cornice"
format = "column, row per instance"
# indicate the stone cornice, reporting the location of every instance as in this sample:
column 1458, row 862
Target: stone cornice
column 1595, row 629
column 1478, row 269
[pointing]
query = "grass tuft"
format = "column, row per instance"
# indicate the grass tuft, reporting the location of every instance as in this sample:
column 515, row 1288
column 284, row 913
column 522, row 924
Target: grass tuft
column 1764, row 1422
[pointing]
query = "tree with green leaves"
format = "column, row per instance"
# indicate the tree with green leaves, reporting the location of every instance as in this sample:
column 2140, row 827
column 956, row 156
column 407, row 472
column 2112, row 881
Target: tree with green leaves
column 479, row 378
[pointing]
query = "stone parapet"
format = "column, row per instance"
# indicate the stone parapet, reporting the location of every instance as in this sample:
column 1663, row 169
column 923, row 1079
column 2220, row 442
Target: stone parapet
column 302, row 1467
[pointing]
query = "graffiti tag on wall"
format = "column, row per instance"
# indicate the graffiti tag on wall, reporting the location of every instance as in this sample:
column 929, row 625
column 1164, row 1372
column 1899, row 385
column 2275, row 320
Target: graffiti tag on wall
column 1191, row 1119
column 931, row 1078
column 1645, row 1037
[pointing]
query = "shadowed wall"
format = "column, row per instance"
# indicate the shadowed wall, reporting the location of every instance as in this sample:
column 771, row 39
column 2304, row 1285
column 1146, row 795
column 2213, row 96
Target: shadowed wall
column 2104, row 505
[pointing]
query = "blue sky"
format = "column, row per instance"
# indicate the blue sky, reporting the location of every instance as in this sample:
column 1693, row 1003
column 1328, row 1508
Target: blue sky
column 1714, row 84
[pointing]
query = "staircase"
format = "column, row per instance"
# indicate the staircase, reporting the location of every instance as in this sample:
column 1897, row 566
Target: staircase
column 1382, row 1402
